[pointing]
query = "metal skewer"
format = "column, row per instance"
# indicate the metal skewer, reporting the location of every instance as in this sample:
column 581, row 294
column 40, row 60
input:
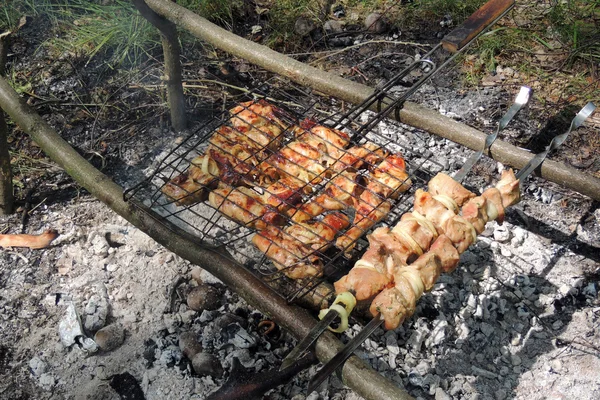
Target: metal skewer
column 376, row 322
column 520, row 101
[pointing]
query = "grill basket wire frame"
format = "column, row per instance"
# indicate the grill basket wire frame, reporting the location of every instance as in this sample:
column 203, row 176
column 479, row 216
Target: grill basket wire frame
column 205, row 223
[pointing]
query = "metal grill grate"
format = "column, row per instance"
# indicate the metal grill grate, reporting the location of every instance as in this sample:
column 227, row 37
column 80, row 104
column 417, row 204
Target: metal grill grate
column 250, row 170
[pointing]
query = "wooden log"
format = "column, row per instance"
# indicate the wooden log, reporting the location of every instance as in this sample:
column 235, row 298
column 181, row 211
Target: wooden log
column 6, row 186
column 171, row 52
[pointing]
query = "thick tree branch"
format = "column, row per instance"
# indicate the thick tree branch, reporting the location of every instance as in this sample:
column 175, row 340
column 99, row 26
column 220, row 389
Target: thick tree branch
column 333, row 85
column 296, row 320
column 171, row 51
column 6, row 186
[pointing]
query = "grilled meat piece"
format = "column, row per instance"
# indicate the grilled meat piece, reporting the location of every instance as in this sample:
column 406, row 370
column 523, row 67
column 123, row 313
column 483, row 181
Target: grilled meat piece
column 193, row 185
column 284, row 194
column 334, row 140
column 388, row 180
column 444, row 185
column 297, row 160
column 339, row 194
column 296, row 249
column 291, row 256
column 244, row 206
column 318, row 235
column 396, row 303
column 367, row 155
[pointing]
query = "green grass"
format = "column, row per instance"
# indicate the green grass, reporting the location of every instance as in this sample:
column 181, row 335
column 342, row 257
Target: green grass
column 222, row 12
column 117, row 30
column 576, row 22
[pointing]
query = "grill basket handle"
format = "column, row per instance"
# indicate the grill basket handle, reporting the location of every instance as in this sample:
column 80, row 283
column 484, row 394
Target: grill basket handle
column 481, row 19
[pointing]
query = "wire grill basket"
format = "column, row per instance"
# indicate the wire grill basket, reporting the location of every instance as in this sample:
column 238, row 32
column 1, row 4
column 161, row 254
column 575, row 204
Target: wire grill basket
column 289, row 182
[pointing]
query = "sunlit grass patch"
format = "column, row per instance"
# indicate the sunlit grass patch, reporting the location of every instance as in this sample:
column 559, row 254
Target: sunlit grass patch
column 116, row 30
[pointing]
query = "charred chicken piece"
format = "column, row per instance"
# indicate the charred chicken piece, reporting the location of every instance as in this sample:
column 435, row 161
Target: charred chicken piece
column 193, row 185
column 318, row 235
column 284, row 194
column 387, row 181
column 363, row 156
column 244, row 206
column 296, row 249
column 297, row 160
column 333, row 140
column 291, row 256
column 339, row 194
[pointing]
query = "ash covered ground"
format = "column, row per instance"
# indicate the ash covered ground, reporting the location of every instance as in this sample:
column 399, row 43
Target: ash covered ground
column 517, row 319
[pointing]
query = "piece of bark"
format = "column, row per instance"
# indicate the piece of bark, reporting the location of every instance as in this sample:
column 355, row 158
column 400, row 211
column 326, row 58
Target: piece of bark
column 32, row 241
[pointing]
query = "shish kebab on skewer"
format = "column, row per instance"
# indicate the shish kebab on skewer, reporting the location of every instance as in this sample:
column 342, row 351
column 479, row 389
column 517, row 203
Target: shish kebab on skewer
column 393, row 304
column 414, row 230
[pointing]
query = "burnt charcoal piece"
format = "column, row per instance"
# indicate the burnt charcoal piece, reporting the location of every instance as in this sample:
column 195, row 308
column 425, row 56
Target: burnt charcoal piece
column 149, row 352
column 126, row 387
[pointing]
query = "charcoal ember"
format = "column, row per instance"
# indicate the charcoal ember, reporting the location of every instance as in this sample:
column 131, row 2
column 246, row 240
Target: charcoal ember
column 228, row 319
column 239, row 337
column 37, row 366
column 501, row 233
column 127, row 386
column 205, row 364
column 47, row 381
column 340, row 41
column 243, row 356
column 149, row 352
column 170, row 356
column 440, row 394
column 189, row 345
column 204, row 297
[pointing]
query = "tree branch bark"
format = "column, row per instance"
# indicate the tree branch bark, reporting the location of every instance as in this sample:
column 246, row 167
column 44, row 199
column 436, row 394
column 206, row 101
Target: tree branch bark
column 6, row 186
column 359, row 376
column 171, row 51
column 333, row 85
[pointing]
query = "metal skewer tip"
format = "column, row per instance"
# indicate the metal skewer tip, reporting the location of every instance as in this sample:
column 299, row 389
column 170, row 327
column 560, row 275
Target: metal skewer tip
column 343, row 355
column 520, row 101
column 524, row 95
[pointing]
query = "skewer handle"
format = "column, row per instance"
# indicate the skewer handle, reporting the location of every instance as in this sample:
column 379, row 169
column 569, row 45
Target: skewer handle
column 481, row 19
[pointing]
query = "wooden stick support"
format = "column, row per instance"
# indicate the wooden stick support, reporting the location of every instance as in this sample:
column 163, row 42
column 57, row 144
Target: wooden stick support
column 481, row 19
